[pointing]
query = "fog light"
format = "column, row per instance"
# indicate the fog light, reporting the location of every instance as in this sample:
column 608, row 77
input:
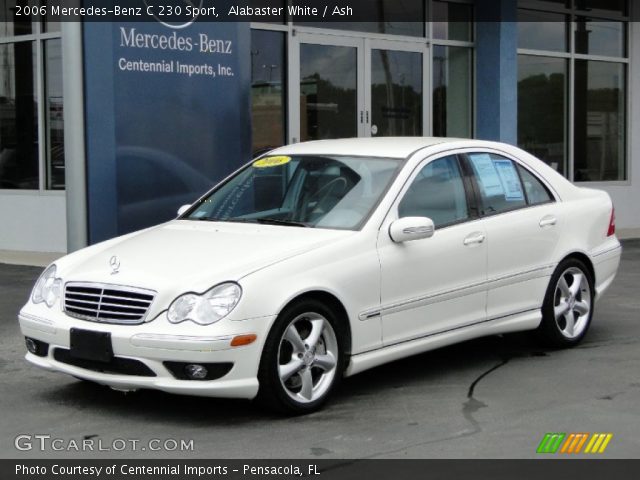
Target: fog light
column 32, row 346
column 196, row 372
column 36, row 347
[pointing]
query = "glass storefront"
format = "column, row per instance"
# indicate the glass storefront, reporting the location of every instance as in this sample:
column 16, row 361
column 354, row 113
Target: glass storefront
column 346, row 79
column 452, row 91
column 599, row 142
column 268, row 80
column 328, row 91
column 19, row 118
column 542, row 125
column 572, row 86
column 396, row 93
column 31, row 103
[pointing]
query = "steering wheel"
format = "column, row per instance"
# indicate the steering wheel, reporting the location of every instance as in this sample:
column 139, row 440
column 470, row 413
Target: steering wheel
column 323, row 194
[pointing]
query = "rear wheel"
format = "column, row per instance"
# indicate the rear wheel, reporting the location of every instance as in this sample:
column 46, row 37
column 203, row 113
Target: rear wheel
column 568, row 306
column 303, row 359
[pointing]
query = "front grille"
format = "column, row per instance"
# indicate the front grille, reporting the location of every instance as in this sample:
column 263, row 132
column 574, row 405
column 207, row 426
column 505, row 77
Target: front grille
column 107, row 303
column 117, row 365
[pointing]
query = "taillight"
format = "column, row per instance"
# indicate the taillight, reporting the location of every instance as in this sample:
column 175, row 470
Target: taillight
column 612, row 223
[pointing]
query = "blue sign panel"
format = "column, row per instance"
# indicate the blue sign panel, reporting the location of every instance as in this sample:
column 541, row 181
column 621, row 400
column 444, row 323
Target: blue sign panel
column 167, row 115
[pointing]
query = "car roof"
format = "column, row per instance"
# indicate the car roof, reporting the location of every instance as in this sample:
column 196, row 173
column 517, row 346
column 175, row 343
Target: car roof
column 388, row 147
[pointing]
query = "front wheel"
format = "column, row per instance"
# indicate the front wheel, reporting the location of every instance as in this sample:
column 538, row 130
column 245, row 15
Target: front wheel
column 303, row 359
column 568, row 306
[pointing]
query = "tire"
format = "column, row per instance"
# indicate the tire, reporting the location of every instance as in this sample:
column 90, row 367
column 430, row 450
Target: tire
column 568, row 305
column 297, row 376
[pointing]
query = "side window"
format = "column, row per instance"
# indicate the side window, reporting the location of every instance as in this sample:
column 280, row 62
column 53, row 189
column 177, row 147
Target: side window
column 536, row 192
column 437, row 192
column 498, row 181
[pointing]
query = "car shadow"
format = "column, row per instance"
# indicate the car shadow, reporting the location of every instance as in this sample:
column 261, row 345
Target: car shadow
column 424, row 370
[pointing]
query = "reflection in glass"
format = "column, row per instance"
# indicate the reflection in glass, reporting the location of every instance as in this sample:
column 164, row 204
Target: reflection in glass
column 452, row 87
column 396, row 93
column 599, row 37
column 54, row 114
column 452, row 21
column 10, row 24
column 542, row 31
column 303, row 191
column 268, row 73
column 18, row 117
column 328, row 98
column 437, row 193
column 545, row 3
column 606, row 7
column 600, row 121
column 409, row 29
column 542, row 121
column 392, row 17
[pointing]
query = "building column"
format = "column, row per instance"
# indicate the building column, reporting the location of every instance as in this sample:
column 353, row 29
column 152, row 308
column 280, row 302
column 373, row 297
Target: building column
column 497, row 70
column 75, row 173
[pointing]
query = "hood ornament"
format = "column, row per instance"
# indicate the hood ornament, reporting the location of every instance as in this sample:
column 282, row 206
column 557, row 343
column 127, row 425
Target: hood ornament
column 114, row 262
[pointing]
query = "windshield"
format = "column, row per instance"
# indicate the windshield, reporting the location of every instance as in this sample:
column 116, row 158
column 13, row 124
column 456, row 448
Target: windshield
column 309, row 191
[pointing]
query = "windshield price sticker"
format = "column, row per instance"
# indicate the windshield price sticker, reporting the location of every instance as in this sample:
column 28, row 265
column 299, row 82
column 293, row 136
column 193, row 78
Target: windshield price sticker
column 267, row 162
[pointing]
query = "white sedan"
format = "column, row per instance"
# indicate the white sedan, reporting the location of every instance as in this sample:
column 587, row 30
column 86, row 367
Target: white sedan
column 323, row 259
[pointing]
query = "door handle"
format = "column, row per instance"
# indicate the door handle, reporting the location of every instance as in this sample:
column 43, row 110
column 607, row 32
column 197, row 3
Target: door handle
column 473, row 238
column 548, row 221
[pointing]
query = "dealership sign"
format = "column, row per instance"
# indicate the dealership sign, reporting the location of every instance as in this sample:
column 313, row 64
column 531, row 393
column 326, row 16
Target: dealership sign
column 167, row 115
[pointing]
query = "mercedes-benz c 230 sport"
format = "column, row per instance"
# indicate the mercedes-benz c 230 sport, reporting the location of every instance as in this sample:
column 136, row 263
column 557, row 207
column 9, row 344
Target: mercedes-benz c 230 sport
column 323, row 259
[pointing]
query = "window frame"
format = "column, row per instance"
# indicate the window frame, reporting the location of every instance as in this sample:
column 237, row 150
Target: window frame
column 38, row 37
column 552, row 199
column 573, row 14
column 470, row 195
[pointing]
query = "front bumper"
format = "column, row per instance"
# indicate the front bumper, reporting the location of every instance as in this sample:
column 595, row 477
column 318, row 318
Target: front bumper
column 152, row 344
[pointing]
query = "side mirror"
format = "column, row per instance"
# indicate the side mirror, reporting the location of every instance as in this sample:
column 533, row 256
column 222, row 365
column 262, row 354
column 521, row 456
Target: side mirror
column 411, row 228
column 183, row 209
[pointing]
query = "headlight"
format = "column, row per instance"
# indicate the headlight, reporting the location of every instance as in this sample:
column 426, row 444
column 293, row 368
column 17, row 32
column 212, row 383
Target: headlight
column 47, row 287
column 207, row 308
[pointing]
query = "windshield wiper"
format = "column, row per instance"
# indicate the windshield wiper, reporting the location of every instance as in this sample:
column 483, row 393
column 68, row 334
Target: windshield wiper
column 275, row 221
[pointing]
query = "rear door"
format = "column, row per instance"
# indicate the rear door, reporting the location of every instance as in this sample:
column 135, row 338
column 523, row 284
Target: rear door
column 521, row 218
column 435, row 284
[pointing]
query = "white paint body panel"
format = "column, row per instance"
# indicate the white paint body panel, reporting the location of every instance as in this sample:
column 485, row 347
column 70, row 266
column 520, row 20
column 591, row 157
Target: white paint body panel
column 400, row 299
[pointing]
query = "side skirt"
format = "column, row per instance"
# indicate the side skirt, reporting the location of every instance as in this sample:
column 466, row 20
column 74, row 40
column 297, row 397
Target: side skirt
column 528, row 320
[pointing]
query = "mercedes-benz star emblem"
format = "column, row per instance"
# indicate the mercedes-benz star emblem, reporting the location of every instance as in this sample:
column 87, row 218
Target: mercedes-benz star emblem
column 114, row 262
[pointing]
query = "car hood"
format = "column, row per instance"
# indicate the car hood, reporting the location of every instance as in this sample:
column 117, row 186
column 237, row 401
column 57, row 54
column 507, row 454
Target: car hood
column 184, row 255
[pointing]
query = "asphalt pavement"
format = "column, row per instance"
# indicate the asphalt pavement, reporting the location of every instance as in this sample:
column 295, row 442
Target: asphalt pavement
column 490, row 398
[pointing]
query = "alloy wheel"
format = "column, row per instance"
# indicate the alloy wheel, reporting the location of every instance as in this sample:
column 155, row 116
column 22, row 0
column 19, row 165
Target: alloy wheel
column 572, row 302
column 307, row 357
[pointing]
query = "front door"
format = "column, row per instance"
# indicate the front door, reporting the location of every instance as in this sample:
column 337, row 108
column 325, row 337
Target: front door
column 436, row 284
column 347, row 86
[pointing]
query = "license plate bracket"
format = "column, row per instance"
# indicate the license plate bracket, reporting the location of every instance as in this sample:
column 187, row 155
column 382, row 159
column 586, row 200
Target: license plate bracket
column 91, row 345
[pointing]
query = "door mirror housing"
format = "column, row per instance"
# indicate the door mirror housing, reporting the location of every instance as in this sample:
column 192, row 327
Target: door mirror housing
column 411, row 228
column 183, row 209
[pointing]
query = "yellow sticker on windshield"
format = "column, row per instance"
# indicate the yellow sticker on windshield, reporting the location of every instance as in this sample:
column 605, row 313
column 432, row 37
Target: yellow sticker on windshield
column 267, row 162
